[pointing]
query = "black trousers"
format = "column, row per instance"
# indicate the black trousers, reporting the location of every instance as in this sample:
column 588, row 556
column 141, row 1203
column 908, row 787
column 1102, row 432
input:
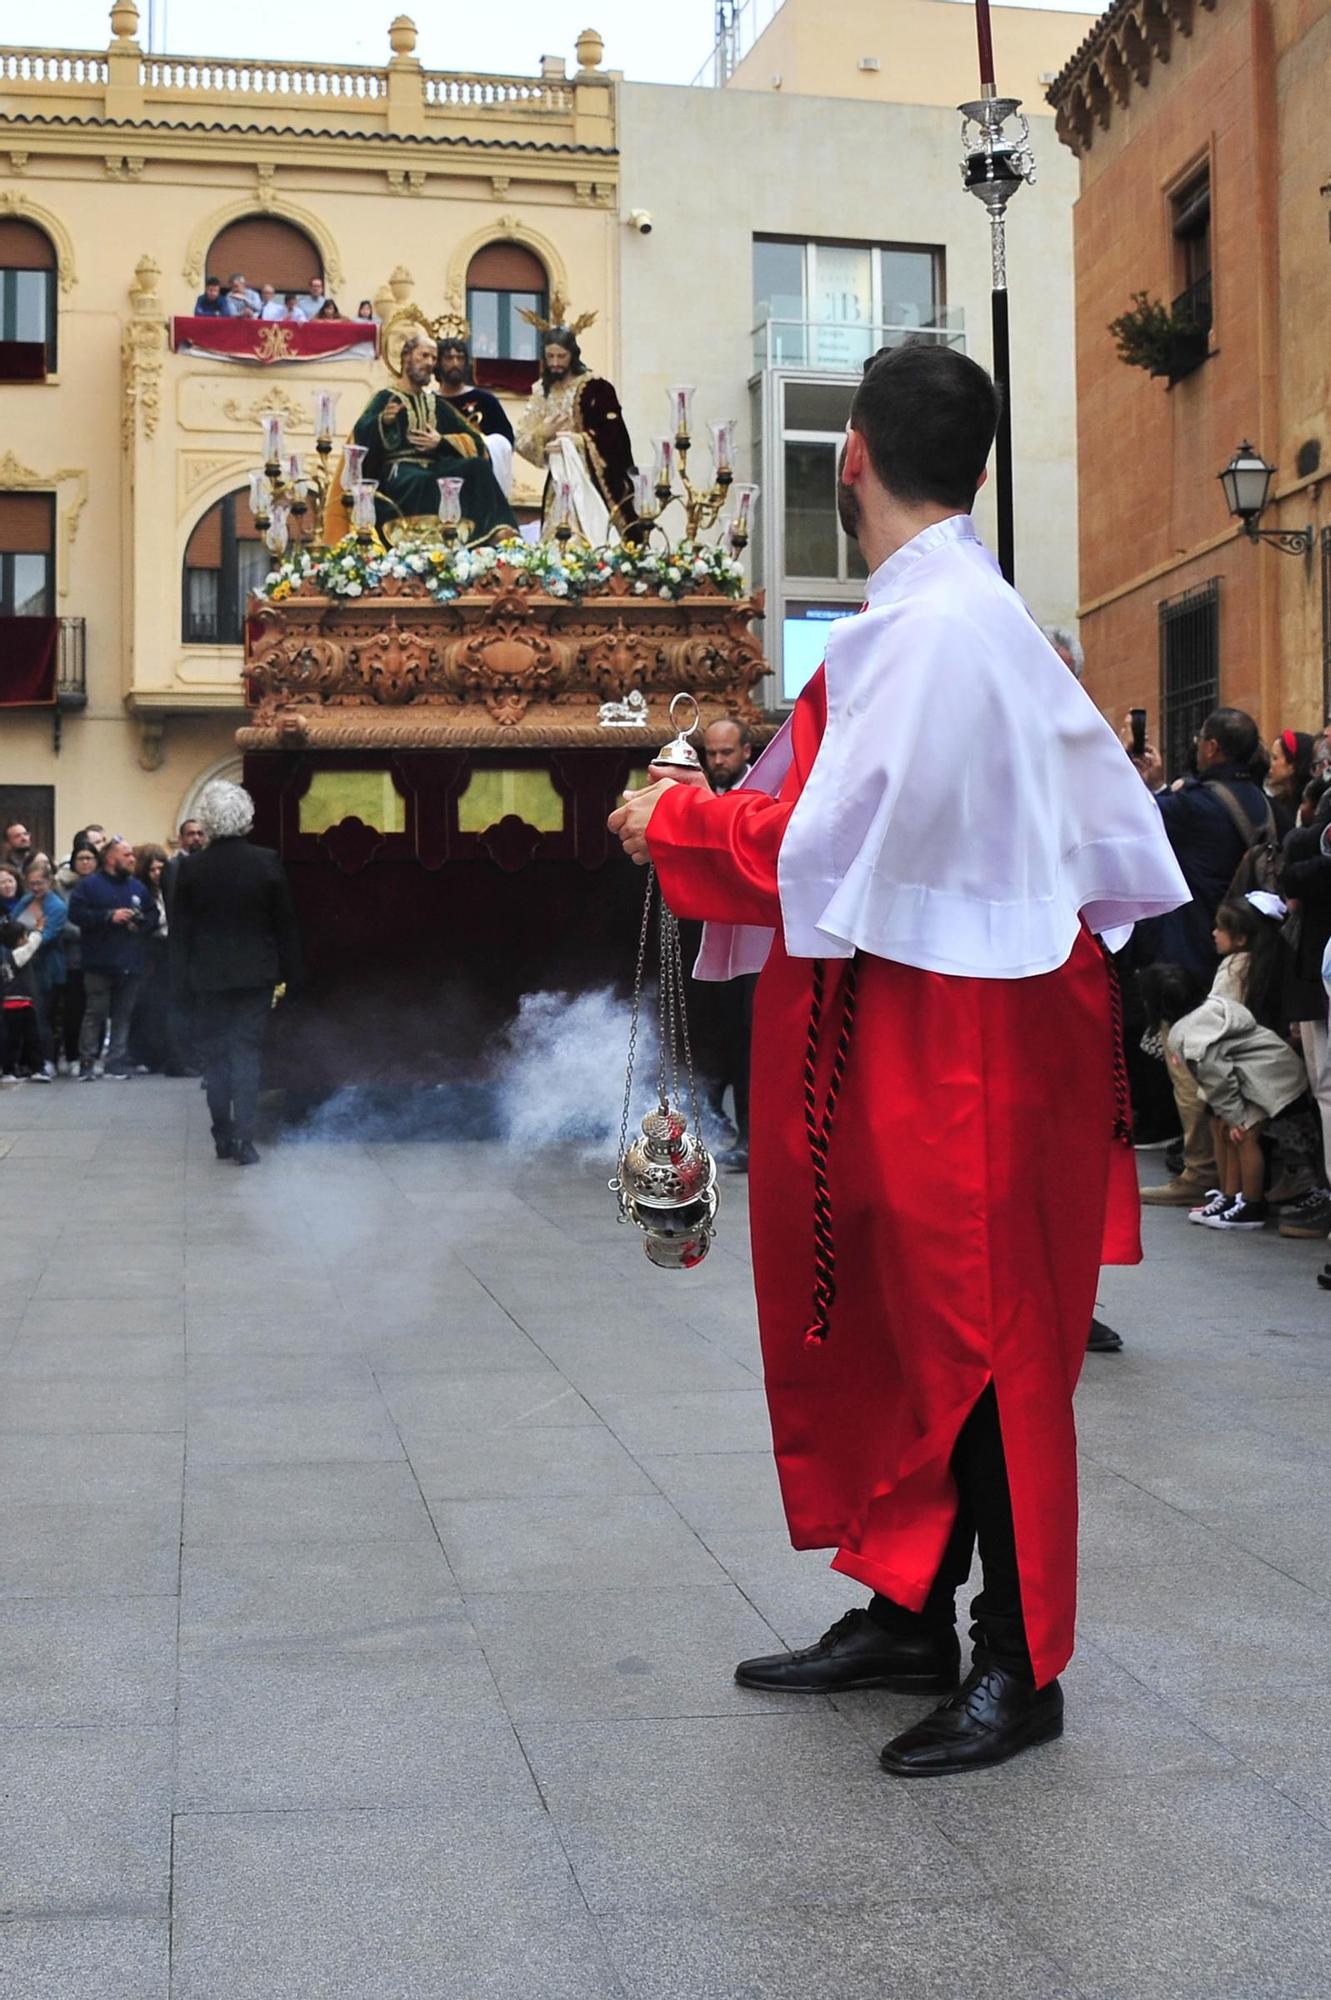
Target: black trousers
column 230, row 1028
column 984, row 1515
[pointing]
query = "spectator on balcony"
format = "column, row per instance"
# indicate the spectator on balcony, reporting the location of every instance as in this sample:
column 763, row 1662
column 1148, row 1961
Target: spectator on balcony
column 270, row 306
column 239, row 295
column 365, row 310
column 314, row 299
column 210, row 304
column 291, row 314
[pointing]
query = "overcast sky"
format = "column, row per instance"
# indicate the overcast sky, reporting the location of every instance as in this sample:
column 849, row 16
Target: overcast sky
column 652, row 42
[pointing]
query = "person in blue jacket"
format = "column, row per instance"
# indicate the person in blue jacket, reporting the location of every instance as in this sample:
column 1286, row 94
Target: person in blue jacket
column 41, row 909
column 115, row 913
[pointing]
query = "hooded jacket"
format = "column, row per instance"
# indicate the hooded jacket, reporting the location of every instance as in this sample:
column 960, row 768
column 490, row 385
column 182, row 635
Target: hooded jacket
column 1245, row 1072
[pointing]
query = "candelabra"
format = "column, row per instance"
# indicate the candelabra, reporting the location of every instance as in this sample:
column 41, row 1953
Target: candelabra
column 724, row 500
column 288, row 498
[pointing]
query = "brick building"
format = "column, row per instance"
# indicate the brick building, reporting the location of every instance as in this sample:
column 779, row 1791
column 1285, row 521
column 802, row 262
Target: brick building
column 1205, row 182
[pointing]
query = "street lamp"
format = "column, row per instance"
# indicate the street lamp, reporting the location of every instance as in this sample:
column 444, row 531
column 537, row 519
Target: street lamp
column 1247, row 483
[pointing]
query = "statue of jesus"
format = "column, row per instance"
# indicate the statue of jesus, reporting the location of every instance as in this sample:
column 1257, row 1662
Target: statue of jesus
column 573, row 427
column 413, row 438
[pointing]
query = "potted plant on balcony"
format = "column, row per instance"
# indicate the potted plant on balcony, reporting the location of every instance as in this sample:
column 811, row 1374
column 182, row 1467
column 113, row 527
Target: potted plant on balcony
column 1167, row 341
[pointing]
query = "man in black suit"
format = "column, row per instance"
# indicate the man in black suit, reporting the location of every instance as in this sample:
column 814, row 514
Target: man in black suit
column 233, row 940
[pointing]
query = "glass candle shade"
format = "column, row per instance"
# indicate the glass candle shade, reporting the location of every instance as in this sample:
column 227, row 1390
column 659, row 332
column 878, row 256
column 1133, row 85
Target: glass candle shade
column 353, row 460
column 563, row 504
column 744, row 499
column 645, row 503
column 362, row 505
column 276, row 538
column 296, row 482
column 325, row 414
column 664, row 470
column 274, row 444
column 723, row 445
column 450, row 502
column 261, row 494
column 681, row 408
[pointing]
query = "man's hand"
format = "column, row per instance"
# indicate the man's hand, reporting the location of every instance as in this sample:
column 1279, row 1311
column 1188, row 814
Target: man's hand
column 678, row 774
column 1149, row 765
column 122, row 916
column 392, row 408
column 629, row 822
column 427, row 440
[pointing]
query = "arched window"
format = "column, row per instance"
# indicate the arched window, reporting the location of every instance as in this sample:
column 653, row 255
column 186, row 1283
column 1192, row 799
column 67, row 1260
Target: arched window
column 266, row 251
column 502, row 280
column 224, row 560
column 27, row 300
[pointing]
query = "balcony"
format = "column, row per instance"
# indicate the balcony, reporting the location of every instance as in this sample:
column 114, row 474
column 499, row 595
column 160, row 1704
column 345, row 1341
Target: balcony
column 1190, row 338
column 71, row 671
column 843, row 346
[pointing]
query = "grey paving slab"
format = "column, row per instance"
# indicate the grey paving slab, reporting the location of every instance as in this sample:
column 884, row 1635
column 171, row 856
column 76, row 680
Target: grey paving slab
column 722, row 1420
column 605, row 1360
column 281, row 1906
column 255, row 1596
column 268, row 1331
column 724, row 1491
column 342, row 1502
column 769, row 1813
column 623, row 1543
column 1286, row 1739
column 86, row 1827
column 287, row 1413
column 88, row 1549
column 105, row 1320
column 538, row 1397
column 93, row 1468
column 927, row 1951
column 92, row 1357
column 581, row 1655
column 89, row 1959
column 87, row 1660
column 53, row 1403
column 580, row 1459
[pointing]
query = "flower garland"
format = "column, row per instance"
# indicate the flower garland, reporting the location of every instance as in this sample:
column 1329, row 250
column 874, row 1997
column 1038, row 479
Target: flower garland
column 351, row 570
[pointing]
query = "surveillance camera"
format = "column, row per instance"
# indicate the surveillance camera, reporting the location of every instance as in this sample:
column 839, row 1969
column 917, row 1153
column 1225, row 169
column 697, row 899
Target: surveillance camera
column 641, row 220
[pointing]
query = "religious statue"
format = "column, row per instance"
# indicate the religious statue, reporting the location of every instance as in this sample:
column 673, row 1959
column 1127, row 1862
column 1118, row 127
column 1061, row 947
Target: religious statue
column 414, row 438
column 483, row 411
column 574, row 427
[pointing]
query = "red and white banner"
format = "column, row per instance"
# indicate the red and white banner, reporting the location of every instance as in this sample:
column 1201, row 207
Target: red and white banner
column 261, row 342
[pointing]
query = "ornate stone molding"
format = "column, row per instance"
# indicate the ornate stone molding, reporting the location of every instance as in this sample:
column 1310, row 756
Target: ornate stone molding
column 410, row 180
column 14, row 202
column 142, row 351
column 508, row 229
column 70, row 486
column 278, row 204
column 275, row 402
column 201, row 468
column 1117, row 54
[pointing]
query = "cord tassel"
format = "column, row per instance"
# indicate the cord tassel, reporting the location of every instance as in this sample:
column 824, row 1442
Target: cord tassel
column 819, row 1131
column 1122, row 1090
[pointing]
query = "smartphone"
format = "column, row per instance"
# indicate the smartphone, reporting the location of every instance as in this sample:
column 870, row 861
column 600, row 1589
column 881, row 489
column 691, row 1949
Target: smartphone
column 1137, row 716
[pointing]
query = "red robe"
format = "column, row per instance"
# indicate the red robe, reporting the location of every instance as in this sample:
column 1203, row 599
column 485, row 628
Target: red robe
column 970, row 1167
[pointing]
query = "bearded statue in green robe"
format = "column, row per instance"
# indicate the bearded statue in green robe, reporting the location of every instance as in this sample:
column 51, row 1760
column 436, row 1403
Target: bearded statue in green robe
column 413, row 438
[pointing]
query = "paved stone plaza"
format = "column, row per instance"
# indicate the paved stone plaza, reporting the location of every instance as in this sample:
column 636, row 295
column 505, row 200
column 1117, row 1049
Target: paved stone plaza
column 378, row 1532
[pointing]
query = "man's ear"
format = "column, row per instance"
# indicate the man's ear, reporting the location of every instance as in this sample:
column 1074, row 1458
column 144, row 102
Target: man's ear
column 854, row 459
column 983, row 479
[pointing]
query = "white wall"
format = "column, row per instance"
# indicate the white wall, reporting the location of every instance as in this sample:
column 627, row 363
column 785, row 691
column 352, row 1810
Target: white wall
column 716, row 168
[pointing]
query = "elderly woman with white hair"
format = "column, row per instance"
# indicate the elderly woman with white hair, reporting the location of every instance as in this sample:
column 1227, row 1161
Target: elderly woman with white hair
column 233, row 940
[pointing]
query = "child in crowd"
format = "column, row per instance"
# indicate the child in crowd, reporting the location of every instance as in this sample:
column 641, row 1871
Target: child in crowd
column 1246, row 1072
column 20, row 1045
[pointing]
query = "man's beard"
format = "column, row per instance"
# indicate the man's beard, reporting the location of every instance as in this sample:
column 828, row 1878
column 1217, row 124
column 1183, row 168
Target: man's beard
column 418, row 375
column 452, row 379
column 849, row 511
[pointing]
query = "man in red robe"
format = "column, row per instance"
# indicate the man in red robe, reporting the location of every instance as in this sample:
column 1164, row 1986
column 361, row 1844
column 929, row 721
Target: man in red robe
column 918, row 863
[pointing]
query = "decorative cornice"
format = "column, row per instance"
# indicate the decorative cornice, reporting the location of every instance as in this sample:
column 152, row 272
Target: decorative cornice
column 14, row 201
column 15, row 476
column 460, row 142
column 1120, row 51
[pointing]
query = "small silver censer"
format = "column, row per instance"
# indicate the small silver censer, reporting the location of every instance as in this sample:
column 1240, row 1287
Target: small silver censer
column 665, row 1181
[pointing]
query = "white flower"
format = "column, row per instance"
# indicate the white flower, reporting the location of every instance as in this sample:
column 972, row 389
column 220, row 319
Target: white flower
column 353, row 590
column 640, row 589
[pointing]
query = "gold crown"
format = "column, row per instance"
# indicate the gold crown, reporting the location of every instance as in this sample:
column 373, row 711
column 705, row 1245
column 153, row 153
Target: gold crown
column 558, row 317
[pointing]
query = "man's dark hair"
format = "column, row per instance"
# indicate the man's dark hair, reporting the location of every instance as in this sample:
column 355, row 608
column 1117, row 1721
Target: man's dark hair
column 211, row 281
column 1234, row 730
column 561, row 336
column 453, row 344
column 733, row 722
column 927, row 415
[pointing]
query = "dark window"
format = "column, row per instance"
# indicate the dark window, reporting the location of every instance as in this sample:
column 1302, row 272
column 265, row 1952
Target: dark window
column 504, row 280
column 224, row 560
column 1191, row 221
column 1189, row 670
column 266, row 252
column 27, row 555
column 27, row 293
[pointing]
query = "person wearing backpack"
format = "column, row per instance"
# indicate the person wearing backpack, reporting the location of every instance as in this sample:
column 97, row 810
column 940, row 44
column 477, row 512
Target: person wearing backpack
column 1212, row 820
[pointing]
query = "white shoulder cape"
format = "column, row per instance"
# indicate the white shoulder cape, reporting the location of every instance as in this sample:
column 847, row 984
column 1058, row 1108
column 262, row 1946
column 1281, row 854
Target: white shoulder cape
column 968, row 805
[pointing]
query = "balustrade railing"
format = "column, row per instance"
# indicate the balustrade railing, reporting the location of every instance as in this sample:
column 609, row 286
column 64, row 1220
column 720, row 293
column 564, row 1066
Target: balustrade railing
column 500, row 92
column 48, row 66
column 71, row 673
column 210, row 76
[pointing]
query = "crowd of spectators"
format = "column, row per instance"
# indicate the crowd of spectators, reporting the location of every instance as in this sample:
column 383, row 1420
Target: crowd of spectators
column 1230, row 993
column 85, row 987
column 236, row 298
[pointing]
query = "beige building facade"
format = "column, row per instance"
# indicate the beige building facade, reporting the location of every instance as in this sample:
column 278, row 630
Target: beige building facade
column 789, row 234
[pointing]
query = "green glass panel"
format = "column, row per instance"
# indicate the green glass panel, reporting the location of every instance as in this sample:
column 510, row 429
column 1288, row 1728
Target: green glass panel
column 369, row 796
column 494, row 795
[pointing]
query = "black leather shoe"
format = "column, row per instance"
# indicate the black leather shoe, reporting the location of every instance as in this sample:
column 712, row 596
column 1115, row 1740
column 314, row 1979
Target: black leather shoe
column 224, row 1142
column 1102, row 1339
column 244, row 1154
column 857, row 1652
column 991, row 1717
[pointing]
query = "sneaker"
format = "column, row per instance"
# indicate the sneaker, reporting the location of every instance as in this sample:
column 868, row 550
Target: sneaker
column 87, row 1073
column 1309, row 1217
column 9, row 1080
column 117, row 1075
column 1178, row 1193
column 43, row 1075
column 63, row 1068
column 1215, row 1201
column 1240, row 1214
